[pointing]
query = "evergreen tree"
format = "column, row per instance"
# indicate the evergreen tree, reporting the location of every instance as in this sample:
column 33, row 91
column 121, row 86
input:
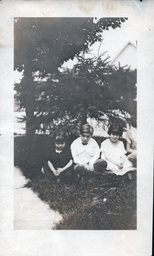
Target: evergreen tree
column 93, row 87
column 42, row 45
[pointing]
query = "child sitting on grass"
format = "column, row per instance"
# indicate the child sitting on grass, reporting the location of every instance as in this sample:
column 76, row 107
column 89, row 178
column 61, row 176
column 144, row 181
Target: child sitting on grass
column 114, row 153
column 131, row 137
column 85, row 152
column 60, row 159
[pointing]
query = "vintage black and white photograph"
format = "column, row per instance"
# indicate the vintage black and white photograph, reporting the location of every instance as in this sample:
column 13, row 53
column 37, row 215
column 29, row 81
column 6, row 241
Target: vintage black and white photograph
column 76, row 127
column 75, row 124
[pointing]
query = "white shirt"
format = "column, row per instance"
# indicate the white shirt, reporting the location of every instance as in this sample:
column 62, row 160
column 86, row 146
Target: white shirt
column 83, row 154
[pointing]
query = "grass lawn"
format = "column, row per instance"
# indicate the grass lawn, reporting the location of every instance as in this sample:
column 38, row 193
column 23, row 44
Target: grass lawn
column 107, row 202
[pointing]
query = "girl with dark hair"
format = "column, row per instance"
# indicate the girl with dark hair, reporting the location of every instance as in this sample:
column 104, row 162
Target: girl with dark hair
column 114, row 153
column 60, row 159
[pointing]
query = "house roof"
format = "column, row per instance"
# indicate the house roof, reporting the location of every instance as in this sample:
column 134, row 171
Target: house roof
column 124, row 47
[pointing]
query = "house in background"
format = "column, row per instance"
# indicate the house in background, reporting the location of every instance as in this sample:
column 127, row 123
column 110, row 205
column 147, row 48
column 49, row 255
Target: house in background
column 126, row 56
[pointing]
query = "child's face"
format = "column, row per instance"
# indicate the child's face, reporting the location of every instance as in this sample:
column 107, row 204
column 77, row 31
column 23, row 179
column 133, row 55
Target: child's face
column 85, row 137
column 59, row 146
column 114, row 137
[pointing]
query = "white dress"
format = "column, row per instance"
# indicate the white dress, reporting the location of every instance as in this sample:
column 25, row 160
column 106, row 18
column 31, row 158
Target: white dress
column 116, row 151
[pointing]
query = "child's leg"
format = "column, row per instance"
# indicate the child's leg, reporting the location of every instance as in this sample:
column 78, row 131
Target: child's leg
column 100, row 165
column 112, row 167
column 128, row 166
column 52, row 169
column 82, row 171
column 68, row 173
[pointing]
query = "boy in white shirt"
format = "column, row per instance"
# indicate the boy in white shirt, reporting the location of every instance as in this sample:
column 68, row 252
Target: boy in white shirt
column 85, row 151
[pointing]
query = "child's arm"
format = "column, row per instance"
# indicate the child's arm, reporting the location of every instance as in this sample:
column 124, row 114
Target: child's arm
column 122, row 161
column 59, row 170
column 132, row 155
column 129, row 149
column 76, row 159
column 52, row 168
column 131, row 145
column 96, row 155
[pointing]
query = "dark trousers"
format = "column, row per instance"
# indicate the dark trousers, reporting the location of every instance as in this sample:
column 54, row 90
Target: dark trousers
column 99, row 168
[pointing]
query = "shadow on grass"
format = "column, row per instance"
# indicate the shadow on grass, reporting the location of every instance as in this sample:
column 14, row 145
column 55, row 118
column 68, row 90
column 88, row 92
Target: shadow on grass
column 98, row 203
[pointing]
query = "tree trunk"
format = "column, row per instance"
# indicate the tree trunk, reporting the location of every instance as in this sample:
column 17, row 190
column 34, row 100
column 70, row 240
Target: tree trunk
column 29, row 108
column 29, row 102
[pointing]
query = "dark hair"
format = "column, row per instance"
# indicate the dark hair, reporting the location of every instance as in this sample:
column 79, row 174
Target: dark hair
column 115, row 128
column 60, row 137
column 86, row 128
column 60, row 140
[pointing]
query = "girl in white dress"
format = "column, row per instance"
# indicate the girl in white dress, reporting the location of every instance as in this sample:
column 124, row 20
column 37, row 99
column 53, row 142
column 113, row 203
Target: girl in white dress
column 114, row 153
